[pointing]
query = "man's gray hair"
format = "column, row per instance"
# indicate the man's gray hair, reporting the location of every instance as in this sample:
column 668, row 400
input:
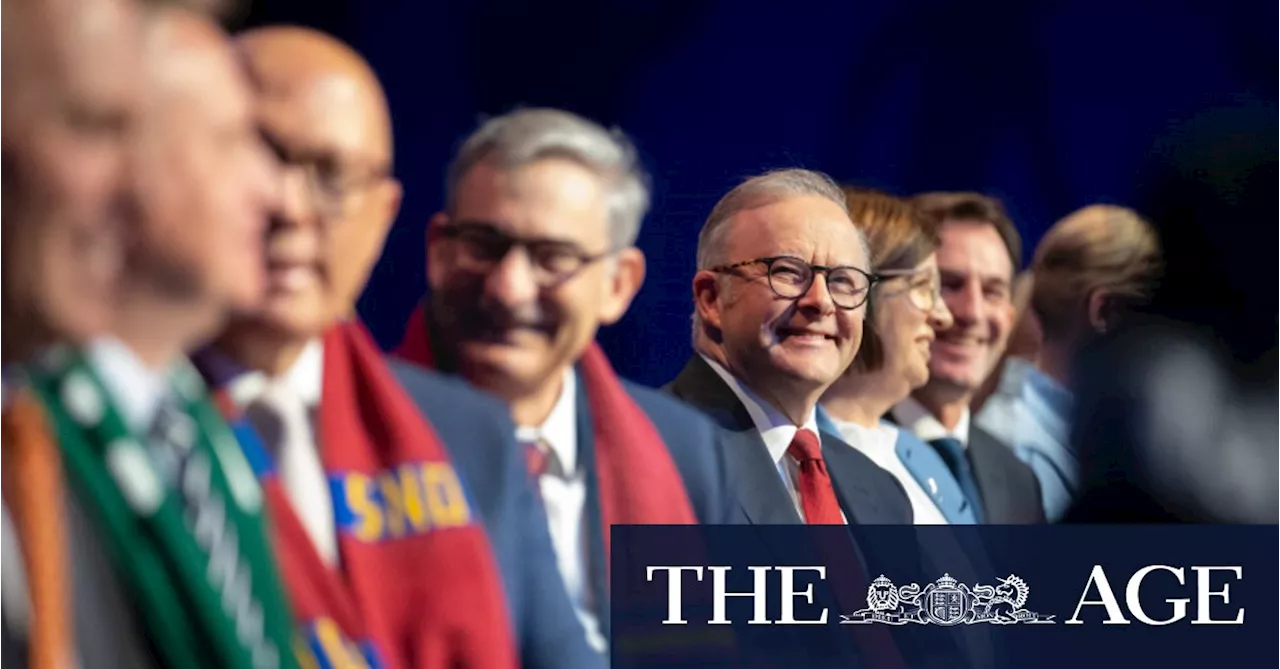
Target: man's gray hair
column 759, row 191
column 525, row 136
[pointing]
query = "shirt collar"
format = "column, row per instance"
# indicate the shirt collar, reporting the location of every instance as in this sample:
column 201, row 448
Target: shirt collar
column 1051, row 403
column 305, row 378
column 776, row 429
column 135, row 389
column 882, row 437
column 913, row 417
column 559, row 430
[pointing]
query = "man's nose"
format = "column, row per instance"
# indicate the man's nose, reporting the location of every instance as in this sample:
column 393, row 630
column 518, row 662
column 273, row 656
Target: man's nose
column 511, row 280
column 817, row 298
column 296, row 206
column 940, row 317
column 965, row 304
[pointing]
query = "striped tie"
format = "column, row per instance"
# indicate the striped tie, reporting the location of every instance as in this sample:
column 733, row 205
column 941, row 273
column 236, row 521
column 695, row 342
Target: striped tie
column 172, row 439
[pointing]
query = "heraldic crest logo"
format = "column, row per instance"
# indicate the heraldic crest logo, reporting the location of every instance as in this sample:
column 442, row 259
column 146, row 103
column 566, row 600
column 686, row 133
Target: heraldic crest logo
column 947, row 602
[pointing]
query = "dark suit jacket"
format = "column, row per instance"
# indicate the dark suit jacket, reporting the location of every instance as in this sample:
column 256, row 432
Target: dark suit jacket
column 480, row 437
column 868, row 494
column 698, row 448
column 1010, row 491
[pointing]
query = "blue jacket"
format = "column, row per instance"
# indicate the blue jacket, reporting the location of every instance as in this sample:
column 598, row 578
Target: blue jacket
column 927, row 468
column 480, row 437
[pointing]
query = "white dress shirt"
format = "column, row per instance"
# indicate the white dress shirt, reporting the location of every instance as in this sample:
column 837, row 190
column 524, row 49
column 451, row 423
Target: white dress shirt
column 136, row 392
column 880, row 445
column 135, row 389
column 912, row 415
column 776, row 430
column 563, row 487
column 293, row 398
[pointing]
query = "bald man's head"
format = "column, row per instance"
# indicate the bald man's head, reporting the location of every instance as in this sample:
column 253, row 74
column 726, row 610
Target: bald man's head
column 69, row 76
column 205, row 184
column 325, row 81
column 321, row 108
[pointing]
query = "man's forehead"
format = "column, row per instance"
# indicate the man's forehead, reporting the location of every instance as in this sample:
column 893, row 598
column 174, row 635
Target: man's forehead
column 92, row 45
column 324, row 113
column 800, row 225
column 320, row 105
column 973, row 247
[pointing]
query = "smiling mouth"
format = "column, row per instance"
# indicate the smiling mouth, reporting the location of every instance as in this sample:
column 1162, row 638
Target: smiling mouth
column 804, row 335
column 963, row 342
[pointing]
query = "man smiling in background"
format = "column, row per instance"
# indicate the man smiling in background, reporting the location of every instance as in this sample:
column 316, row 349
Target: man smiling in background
column 980, row 253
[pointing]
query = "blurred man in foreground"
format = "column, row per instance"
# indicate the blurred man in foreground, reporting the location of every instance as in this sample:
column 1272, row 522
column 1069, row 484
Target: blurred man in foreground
column 365, row 464
column 70, row 90
column 165, row 520
column 70, row 95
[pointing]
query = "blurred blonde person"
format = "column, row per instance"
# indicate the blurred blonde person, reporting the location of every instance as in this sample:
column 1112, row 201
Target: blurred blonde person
column 1091, row 269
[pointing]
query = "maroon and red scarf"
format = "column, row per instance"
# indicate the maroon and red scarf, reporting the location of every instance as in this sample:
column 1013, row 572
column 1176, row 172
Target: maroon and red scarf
column 418, row 586
column 639, row 483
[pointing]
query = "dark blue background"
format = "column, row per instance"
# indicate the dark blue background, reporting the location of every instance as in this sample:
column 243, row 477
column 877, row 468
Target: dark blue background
column 1054, row 561
column 1048, row 104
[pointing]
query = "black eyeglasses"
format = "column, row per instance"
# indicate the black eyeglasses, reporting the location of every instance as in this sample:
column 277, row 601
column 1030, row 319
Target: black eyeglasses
column 791, row 278
column 481, row 246
column 333, row 185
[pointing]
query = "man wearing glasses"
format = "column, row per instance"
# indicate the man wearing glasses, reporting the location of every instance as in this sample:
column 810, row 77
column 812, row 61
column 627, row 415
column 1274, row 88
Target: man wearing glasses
column 403, row 519
column 779, row 303
column 532, row 254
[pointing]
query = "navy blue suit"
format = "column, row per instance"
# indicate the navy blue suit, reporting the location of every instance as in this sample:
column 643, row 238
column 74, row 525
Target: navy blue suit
column 696, row 450
column 868, row 494
column 480, row 437
column 697, row 446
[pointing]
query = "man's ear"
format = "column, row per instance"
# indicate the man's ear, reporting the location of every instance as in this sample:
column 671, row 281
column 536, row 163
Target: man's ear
column 435, row 249
column 706, row 297
column 1100, row 311
column 392, row 198
column 628, row 276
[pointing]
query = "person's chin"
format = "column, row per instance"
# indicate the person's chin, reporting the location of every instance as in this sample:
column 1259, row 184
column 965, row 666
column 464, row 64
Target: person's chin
column 953, row 376
column 810, row 367
column 294, row 315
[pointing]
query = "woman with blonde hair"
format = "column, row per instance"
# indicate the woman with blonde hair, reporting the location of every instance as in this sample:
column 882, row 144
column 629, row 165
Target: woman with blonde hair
column 1090, row 270
column 904, row 309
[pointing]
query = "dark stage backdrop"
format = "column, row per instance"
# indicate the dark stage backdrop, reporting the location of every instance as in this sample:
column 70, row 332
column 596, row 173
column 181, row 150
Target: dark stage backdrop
column 1050, row 105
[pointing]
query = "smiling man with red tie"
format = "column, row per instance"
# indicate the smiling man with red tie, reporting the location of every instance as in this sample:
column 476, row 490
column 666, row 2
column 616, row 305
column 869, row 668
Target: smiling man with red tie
column 779, row 303
column 780, row 299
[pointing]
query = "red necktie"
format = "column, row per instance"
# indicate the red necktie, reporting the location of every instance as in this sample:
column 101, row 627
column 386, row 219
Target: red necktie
column 536, row 459
column 817, row 495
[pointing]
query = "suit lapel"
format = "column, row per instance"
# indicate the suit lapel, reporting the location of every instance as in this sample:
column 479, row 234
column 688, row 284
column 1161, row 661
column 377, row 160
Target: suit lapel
column 841, row 460
column 597, row 570
column 761, row 494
